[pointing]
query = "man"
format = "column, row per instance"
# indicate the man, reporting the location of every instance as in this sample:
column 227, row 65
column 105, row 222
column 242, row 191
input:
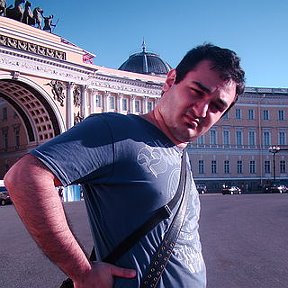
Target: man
column 128, row 167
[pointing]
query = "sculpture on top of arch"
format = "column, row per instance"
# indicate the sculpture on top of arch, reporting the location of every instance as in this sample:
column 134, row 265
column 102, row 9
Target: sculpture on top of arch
column 22, row 11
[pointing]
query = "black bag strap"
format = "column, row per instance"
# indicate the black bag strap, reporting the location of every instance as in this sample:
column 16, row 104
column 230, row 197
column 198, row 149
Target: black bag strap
column 160, row 214
column 164, row 251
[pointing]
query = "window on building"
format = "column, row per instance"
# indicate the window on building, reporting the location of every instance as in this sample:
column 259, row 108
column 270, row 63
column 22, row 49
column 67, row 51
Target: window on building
column 265, row 114
column 251, row 114
column 226, row 167
column 252, row 167
column 239, row 167
column 124, row 104
column 149, row 106
column 213, row 167
column 266, row 138
column 137, row 106
column 239, row 141
column 226, row 137
column 5, row 139
column 281, row 115
column 201, row 166
column 267, row 168
column 282, row 138
column 17, row 137
column 252, row 138
column 238, row 113
column 5, row 113
column 213, row 140
column 111, row 102
column 282, row 166
column 98, row 100
column 201, row 140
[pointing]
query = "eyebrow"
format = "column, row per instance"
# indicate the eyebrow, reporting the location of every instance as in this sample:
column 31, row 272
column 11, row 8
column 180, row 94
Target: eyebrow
column 223, row 103
column 202, row 87
column 208, row 91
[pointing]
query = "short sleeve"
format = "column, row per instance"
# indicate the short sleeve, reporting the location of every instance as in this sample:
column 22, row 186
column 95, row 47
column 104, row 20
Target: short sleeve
column 83, row 150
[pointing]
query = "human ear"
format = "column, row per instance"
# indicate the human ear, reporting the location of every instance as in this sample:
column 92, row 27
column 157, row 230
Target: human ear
column 170, row 80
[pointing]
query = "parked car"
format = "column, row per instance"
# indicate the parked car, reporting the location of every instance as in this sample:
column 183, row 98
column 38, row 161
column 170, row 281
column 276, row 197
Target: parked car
column 275, row 188
column 231, row 190
column 4, row 196
column 201, row 188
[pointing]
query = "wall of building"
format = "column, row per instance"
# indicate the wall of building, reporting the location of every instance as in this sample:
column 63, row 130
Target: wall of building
column 236, row 150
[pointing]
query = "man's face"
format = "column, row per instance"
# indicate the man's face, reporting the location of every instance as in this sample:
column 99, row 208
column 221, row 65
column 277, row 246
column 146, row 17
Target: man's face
column 189, row 109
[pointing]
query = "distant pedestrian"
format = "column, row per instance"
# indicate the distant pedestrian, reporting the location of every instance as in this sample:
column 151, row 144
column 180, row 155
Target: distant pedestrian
column 60, row 192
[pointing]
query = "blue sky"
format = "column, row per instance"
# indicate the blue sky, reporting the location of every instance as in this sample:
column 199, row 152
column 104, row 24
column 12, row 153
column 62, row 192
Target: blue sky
column 113, row 30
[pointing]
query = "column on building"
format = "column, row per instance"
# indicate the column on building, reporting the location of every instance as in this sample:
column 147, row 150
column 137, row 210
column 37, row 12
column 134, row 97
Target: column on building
column 69, row 106
column 132, row 104
column 84, row 102
column 92, row 97
column 102, row 101
column 145, row 104
column 105, row 101
column 119, row 98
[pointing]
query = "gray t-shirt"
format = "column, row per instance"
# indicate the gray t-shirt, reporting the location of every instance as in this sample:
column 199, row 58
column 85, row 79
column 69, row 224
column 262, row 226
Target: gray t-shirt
column 128, row 168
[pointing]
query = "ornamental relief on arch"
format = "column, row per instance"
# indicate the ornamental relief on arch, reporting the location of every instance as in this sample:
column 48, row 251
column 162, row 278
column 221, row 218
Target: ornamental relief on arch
column 78, row 118
column 77, row 96
column 58, row 89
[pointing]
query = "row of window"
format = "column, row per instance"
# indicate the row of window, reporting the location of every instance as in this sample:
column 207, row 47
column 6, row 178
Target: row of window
column 124, row 104
column 137, row 103
column 239, row 138
column 111, row 103
column 239, row 167
column 266, row 115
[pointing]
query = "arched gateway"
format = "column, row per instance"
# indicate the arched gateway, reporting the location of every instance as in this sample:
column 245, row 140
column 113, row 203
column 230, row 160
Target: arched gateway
column 48, row 84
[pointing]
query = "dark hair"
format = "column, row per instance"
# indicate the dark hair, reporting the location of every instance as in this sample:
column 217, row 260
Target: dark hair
column 225, row 61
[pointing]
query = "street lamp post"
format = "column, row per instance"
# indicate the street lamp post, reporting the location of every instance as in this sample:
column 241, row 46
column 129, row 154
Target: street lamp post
column 274, row 150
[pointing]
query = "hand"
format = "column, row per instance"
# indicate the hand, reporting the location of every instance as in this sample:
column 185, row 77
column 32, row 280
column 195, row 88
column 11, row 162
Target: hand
column 102, row 276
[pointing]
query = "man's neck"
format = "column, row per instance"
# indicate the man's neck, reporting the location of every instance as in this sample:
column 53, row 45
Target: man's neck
column 156, row 119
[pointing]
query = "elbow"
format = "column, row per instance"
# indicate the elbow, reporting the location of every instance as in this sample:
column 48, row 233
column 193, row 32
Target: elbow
column 26, row 175
column 11, row 180
column 20, row 175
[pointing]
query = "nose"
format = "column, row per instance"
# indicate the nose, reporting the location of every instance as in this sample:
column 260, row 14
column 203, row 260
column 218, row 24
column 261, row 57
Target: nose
column 200, row 109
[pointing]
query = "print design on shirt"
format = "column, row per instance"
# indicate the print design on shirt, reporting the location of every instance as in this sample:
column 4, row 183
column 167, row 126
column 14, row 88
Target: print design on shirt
column 151, row 159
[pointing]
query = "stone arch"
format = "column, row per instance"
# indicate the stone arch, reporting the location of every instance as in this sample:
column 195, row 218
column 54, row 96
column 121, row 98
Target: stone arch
column 41, row 117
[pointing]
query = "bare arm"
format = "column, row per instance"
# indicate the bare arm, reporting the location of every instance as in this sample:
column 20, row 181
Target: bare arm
column 45, row 219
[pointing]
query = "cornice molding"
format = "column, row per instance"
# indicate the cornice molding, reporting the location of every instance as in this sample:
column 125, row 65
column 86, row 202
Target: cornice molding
column 31, row 47
column 125, row 86
column 260, row 90
column 39, row 66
